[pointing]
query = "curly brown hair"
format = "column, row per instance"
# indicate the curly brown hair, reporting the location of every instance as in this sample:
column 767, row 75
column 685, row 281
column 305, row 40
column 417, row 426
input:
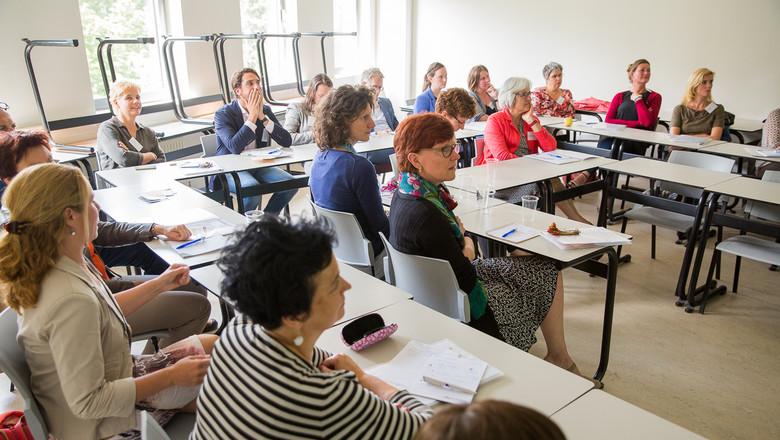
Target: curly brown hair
column 336, row 112
column 14, row 145
column 456, row 102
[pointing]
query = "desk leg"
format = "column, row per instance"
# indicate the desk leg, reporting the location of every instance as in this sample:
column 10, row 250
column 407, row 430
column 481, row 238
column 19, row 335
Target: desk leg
column 689, row 248
column 609, row 307
column 239, row 198
column 548, row 196
column 609, row 178
column 691, row 302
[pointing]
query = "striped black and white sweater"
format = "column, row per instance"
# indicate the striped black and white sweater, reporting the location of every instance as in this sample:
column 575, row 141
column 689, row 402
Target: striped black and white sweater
column 257, row 388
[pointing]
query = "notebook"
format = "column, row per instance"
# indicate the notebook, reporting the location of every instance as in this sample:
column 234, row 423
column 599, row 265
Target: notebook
column 514, row 232
column 587, row 238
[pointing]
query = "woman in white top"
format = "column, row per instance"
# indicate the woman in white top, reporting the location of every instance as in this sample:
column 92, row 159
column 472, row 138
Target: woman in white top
column 299, row 119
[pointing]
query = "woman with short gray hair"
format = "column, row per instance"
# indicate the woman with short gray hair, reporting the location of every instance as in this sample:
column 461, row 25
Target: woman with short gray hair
column 514, row 132
column 551, row 99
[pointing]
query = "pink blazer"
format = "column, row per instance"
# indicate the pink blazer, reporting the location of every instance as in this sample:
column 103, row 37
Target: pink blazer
column 502, row 138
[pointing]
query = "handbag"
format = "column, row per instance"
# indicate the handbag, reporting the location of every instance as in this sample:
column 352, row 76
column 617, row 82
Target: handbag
column 13, row 426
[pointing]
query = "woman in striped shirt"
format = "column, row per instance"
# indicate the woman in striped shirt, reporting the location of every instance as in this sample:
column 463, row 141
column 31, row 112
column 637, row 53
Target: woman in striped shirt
column 267, row 379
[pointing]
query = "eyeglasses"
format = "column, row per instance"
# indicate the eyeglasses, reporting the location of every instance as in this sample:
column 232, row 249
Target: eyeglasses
column 523, row 94
column 3, row 106
column 447, row 150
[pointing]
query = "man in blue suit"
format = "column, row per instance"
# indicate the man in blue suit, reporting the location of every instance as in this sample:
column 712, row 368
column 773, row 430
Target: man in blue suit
column 383, row 115
column 244, row 124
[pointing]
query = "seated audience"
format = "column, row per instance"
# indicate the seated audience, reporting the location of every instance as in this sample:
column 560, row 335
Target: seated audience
column 122, row 244
column 551, row 99
column 457, row 106
column 383, row 115
column 121, row 140
column 509, row 297
column 698, row 115
column 635, row 108
column 268, row 378
column 514, row 132
column 489, row 419
column 482, row 92
column 246, row 124
column 340, row 179
column 299, row 119
column 434, row 81
column 73, row 330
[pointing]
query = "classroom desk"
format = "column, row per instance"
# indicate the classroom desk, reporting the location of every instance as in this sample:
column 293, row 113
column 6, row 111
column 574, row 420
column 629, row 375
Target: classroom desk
column 367, row 294
column 598, row 415
column 522, row 171
column 744, row 188
column 81, row 159
column 741, row 152
column 527, row 380
column 376, row 142
column 484, row 221
column 467, row 201
column 172, row 130
column 669, row 172
column 123, row 204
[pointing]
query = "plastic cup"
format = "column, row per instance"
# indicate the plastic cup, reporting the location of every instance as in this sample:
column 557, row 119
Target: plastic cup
column 488, row 193
column 253, row 215
column 530, row 202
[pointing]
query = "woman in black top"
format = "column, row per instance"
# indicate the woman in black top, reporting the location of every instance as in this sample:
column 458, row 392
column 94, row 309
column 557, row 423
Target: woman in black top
column 509, row 297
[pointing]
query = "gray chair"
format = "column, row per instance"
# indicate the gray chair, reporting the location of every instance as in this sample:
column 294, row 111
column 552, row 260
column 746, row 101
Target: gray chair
column 748, row 246
column 13, row 363
column 394, row 164
column 179, row 428
column 431, row 282
column 150, row 429
column 208, row 144
column 672, row 220
column 352, row 248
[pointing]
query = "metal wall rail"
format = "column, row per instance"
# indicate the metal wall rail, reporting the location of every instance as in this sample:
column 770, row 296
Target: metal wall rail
column 173, row 80
column 218, row 46
column 106, row 44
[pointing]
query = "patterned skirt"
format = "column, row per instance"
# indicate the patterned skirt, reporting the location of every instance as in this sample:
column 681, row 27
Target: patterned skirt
column 514, row 195
column 520, row 291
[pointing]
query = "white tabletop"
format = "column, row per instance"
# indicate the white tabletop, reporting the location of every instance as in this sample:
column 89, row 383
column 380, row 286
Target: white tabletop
column 226, row 163
column 751, row 189
column 527, row 379
column 467, row 200
column 520, row 171
column 123, row 204
column 479, row 126
column 737, row 150
column 483, row 221
column 468, row 133
column 367, row 294
column 670, row 172
column 67, row 156
column 377, row 142
column 598, row 415
column 634, row 134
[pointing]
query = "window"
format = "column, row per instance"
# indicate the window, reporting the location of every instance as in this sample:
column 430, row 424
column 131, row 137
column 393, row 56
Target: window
column 141, row 63
column 270, row 16
column 345, row 19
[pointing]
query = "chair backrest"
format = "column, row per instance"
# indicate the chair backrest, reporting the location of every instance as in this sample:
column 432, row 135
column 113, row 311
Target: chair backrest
column 209, row 145
column 352, row 248
column 394, row 164
column 766, row 211
column 150, row 429
column 698, row 160
column 13, row 363
column 431, row 282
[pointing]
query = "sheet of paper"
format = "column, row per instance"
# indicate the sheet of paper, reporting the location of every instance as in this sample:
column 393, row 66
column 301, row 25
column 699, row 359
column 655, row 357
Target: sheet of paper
column 521, row 233
column 210, row 244
column 454, row 371
column 763, row 152
column 588, row 237
column 157, row 195
column 554, row 157
column 689, row 139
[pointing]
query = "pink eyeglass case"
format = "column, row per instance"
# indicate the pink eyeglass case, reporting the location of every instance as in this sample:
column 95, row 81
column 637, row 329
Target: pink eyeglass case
column 366, row 331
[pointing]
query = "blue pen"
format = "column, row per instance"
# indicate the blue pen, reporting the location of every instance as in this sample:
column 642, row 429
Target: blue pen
column 508, row 233
column 189, row 243
column 557, row 156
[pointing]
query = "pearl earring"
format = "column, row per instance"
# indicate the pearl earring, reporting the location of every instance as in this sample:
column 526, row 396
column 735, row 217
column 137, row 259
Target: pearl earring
column 73, row 232
column 298, row 341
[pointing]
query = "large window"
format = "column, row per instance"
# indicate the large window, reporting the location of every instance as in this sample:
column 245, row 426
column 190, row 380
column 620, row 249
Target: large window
column 141, row 63
column 270, row 16
column 345, row 49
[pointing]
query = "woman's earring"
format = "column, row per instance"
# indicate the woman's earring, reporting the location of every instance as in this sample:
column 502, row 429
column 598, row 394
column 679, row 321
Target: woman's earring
column 298, row 341
column 73, row 232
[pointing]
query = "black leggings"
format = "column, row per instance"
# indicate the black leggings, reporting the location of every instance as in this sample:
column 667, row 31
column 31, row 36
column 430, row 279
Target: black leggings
column 487, row 324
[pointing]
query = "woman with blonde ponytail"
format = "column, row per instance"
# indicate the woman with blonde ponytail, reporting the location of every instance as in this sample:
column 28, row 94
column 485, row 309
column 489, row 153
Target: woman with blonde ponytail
column 73, row 330
column 434, row 81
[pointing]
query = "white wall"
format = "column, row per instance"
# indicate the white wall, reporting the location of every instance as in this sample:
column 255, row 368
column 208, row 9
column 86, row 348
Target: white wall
column 596, row 40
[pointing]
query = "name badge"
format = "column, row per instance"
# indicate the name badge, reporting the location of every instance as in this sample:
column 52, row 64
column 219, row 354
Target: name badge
column 531, row 135
column 711, row 108
column 559, row 100
column 137, row 145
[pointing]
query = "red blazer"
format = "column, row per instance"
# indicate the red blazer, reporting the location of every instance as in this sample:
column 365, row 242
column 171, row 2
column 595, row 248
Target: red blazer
column 502, row 138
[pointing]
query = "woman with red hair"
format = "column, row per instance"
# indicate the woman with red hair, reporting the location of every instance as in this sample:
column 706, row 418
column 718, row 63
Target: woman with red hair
column 509, row 297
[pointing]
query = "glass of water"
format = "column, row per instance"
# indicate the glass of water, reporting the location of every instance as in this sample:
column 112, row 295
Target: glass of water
column 530, row 202
column 253, row 215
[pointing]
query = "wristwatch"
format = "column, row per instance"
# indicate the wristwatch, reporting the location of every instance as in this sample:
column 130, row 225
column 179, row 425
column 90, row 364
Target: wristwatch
column 264, row 120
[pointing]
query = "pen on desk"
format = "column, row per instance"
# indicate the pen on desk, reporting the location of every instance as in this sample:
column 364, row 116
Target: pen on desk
column 508, row 233
column 189, row 243
column 440, row 383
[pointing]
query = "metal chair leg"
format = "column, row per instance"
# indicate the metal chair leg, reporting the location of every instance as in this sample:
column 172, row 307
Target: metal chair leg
column 652, row 241
column 736, row 274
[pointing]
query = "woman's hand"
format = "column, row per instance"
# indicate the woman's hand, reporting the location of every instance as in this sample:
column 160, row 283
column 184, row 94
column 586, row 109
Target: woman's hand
column 341, row 362
column 148, row 158
column 460, row 226
column 122, row 146
column 189, row 371
column 469, row 251
column 492, row 92
column 176, row 233
column 528, row 117
column 175, row 276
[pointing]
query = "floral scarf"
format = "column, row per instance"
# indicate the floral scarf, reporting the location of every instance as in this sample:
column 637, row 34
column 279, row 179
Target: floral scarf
column 415, row 186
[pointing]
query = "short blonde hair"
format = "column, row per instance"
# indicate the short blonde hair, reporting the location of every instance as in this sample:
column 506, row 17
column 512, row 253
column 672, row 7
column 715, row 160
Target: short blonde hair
column 694, row 81
column 36, row 199
column 118, row 89
column 512, row 86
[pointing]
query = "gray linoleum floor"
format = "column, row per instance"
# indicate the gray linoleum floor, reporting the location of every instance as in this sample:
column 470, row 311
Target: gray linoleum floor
column 714, row 374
